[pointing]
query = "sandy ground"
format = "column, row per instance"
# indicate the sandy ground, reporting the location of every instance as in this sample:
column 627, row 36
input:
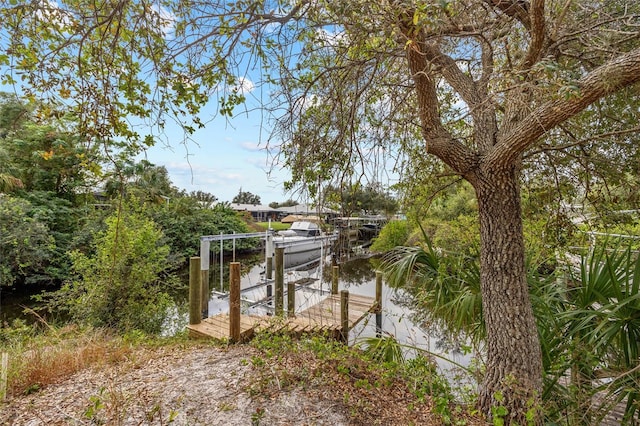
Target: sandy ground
column 196, row 386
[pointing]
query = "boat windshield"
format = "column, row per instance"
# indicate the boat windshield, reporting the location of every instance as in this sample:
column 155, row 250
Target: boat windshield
column 302, row 229
column 307, row 232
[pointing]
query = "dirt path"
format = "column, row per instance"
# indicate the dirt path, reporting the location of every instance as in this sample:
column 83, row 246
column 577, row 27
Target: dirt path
column 195, row 386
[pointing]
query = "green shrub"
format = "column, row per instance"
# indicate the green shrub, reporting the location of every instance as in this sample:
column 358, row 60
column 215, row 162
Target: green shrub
column 394, row 233
column 26, row 244
column 123, row 285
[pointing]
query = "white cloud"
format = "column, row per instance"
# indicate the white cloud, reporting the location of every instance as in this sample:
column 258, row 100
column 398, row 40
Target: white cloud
column 303, row 103
column 159, row 19
column 50, row 12
column 163, row 19
column 271, row 28
column 330, row 38
column 225, row 183
column 251, row 146
column 194, row 177
column 243, row 86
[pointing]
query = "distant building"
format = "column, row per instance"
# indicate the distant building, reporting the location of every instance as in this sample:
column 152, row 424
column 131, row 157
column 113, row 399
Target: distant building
column 302, row 210
column 259, row 212
column 262, row 213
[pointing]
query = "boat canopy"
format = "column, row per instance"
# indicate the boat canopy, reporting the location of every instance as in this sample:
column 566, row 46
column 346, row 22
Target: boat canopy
column 302, row 229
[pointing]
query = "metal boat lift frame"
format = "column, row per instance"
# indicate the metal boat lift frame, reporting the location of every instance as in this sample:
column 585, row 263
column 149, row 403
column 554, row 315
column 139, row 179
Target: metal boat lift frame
column 270, row 244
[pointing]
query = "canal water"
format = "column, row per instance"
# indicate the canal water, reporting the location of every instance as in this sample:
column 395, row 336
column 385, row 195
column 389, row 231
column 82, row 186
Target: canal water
column 399, row 320
column 13, row 302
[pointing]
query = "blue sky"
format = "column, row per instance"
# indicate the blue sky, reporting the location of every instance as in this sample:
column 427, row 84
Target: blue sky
column 227, row 155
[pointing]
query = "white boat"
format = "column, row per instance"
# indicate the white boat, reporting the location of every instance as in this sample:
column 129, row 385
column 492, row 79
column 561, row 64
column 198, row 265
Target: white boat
column 303, row 243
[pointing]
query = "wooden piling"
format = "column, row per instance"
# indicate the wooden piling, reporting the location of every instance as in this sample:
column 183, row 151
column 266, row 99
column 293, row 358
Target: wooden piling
column 195, row 291
column 205, row 292
column 334, row 279
column 4, row 370
column 269, row 271
column 234, row 302
column 344, row 316
column 378, row 305
column 291, row 299
column 205, row 258
column 268, row 254
column 378, row 292
column 279, row 281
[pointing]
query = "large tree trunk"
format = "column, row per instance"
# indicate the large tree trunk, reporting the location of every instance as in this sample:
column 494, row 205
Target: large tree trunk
column 514, row 360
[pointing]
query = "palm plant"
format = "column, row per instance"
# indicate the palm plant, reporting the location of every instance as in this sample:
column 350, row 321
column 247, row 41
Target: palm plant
column 383, row 349
column 588, row 320
column 598, row 335
column 447, row 287
column 617, row 334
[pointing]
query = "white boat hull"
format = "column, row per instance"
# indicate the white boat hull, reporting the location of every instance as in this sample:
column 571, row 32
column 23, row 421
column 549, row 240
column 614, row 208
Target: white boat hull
column 304, row 251
column 303, row 244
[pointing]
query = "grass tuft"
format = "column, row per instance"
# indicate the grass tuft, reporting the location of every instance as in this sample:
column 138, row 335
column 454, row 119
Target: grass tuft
column 38, row 359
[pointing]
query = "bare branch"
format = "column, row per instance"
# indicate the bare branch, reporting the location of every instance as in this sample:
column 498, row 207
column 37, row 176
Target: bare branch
column 517, row 9
column 255, row 18
column 538, row 30
column 618, row 73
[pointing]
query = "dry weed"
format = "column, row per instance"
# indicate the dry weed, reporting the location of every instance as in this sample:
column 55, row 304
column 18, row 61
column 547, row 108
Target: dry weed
column 58, row 354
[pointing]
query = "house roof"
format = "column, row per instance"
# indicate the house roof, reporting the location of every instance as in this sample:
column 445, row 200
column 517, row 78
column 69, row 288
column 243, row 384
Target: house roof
column 306, row 209
column 251, row 207
column 296, row 218
column 300, row 209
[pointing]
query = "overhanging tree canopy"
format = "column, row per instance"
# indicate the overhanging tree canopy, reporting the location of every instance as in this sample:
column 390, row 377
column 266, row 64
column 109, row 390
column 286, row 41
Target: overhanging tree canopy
column 477, row 84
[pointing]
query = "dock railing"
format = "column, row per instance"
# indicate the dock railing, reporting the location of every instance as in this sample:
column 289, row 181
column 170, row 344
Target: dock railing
column 270, row 245
column 340, row 325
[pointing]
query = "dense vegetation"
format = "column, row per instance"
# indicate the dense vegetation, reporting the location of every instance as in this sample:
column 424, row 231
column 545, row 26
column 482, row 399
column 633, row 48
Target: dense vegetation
column 584, row 280
column 107, row 238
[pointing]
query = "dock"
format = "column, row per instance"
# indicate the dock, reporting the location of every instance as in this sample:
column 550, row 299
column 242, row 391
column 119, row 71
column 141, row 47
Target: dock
column 334, row 315
column 322, row 318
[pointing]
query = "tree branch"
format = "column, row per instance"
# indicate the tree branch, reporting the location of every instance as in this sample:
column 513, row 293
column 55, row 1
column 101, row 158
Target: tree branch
column 601, row 136
column 610, row 77
column 253, row 19
column 439, row 141
column 517, row 9
column 474, row 94
column 537, row 31
column 461, row 82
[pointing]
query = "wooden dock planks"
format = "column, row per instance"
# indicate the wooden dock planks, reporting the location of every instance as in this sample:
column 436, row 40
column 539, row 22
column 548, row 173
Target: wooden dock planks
column 327, row 312
column 323, row 317
column 217, row 326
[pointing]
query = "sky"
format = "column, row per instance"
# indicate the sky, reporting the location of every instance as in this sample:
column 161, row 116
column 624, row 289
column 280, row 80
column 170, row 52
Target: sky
column 226, row 156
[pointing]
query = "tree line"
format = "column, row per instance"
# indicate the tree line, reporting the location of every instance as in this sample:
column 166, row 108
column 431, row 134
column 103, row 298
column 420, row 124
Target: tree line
column 491, row 92
column 72, row 217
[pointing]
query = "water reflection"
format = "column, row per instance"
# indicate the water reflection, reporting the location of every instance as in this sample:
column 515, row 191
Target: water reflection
column 399, row 317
